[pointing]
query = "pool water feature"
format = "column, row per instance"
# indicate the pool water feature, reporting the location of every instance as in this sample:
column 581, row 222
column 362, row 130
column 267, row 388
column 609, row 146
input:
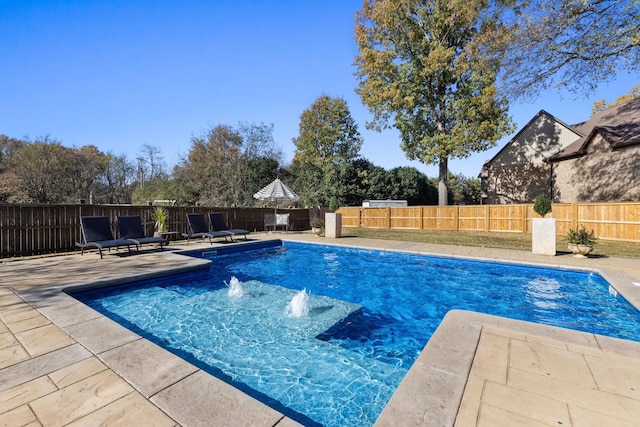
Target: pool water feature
column 370, row 313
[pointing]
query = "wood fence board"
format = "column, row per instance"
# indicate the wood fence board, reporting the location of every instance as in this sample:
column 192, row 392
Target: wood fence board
column 610, row 221
column 31, row 229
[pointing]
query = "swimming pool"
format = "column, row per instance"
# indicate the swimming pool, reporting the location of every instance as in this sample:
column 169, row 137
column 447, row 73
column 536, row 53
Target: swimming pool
column 371, row 314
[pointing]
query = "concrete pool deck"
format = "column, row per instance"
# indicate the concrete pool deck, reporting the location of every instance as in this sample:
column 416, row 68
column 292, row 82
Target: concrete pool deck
column 62, row 363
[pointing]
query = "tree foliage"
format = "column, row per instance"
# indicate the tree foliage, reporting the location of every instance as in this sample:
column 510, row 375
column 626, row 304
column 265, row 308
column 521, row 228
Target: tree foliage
column 226, row 166
column 572, row 44
column 602, row 104
column 45, row 171
column 464, row 190
column 328, row 139
column 422, row 65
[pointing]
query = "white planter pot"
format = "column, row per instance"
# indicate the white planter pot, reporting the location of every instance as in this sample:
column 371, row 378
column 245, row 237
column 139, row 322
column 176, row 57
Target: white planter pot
column 543, row 236
column 580, row 251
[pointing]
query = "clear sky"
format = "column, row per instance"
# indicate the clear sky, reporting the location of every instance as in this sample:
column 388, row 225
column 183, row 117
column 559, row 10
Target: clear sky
column 120, row 74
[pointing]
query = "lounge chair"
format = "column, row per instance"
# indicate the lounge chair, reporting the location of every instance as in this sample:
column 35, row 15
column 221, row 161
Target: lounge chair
column 96, row 233
column 130, row 228
column 218, row 223
column 198, row 228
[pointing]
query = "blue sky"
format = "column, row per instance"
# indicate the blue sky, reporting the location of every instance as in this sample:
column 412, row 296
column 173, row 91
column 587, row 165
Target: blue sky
column 120, row 74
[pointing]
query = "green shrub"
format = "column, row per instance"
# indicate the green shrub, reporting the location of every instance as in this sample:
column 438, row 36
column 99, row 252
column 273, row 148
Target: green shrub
column 334, row 205
column 581, row 237
column 542, row 205
column 160, row 216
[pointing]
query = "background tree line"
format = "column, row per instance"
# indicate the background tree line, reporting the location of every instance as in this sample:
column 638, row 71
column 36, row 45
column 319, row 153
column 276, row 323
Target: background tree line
column 224, row 166
column 441, row 72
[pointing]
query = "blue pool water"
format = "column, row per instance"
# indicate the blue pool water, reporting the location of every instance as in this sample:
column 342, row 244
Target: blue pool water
column 370, row 315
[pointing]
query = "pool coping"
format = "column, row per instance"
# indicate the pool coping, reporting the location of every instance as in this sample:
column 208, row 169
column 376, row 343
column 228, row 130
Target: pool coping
column 440, row 373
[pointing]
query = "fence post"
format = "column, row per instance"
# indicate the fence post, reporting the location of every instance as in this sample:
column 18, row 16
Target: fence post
column 487, row 221
column 456, row 217
column 574, row 216
column 388, row 218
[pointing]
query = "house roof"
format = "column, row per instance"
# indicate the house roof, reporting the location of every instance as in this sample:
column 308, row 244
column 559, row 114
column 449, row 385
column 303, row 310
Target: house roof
column 484, row 170
column 619, row 126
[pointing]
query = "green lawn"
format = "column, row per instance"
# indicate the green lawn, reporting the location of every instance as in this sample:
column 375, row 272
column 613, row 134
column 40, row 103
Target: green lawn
column 489, row 239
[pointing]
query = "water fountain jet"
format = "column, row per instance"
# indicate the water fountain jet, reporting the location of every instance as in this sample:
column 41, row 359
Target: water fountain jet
column 235, row 287
column 299, row 305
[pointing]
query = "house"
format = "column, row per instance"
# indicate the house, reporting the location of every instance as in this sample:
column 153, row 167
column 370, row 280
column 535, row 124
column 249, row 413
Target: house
column 594, row 161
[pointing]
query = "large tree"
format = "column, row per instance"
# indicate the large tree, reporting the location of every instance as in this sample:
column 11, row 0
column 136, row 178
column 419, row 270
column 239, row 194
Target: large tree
column 328, row 138
column 9, row 148
column 421, row 63
column 226, row 166
column 572, row 44
column 44, row 172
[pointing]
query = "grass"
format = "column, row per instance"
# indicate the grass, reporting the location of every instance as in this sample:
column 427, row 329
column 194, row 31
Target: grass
column 519, row 241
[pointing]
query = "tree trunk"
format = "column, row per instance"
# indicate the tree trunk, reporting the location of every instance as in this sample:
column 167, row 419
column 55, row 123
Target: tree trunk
column 443, row 177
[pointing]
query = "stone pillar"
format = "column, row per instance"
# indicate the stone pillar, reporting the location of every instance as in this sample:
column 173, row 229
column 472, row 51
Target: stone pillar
column 332, row 225
column 543, row 236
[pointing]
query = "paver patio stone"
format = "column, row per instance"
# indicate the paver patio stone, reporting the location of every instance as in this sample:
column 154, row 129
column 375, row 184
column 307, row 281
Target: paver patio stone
column 426, row 387
column 12, row 355
column 550, row 361
column 575, row 395
column 76, row 372
column 213, row 402
column 69, row 313
column 585, row 418
column 22, row 416
column 18, row 312
column 44, row 339
column 8, row 298
column 111, row 334
column 130, row 410
column 490, row 416
column 622, row 378
column 35, row 367
column 530, row 405
column 7, row 340
column 27, row 324
column 79, row 399
column 492, row 356
column 622, row 347
column 468, row 410
column 25, row 393
column 148, row 367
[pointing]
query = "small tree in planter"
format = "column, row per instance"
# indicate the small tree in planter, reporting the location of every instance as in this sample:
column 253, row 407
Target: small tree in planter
column 543, row 230
column 542, row 205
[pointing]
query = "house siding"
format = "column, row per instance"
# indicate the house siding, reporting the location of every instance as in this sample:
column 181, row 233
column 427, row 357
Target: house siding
column 519, row 173
column 601, row 175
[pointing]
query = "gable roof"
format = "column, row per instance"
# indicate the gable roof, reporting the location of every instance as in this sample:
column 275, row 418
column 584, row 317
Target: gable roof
column 521, row 131
column 619, row 126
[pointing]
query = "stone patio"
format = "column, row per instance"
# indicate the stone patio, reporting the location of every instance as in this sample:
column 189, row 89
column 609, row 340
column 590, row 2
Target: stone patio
column 62, row 363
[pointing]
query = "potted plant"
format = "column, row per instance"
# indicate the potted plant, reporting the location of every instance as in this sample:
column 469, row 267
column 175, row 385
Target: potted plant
column 160, row 216
column 543, row 230
column 316, row 226
column 580, row 242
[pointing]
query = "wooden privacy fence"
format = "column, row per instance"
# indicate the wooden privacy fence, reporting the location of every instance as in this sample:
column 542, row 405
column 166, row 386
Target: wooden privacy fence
column 610, row 221
column 27, row 229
